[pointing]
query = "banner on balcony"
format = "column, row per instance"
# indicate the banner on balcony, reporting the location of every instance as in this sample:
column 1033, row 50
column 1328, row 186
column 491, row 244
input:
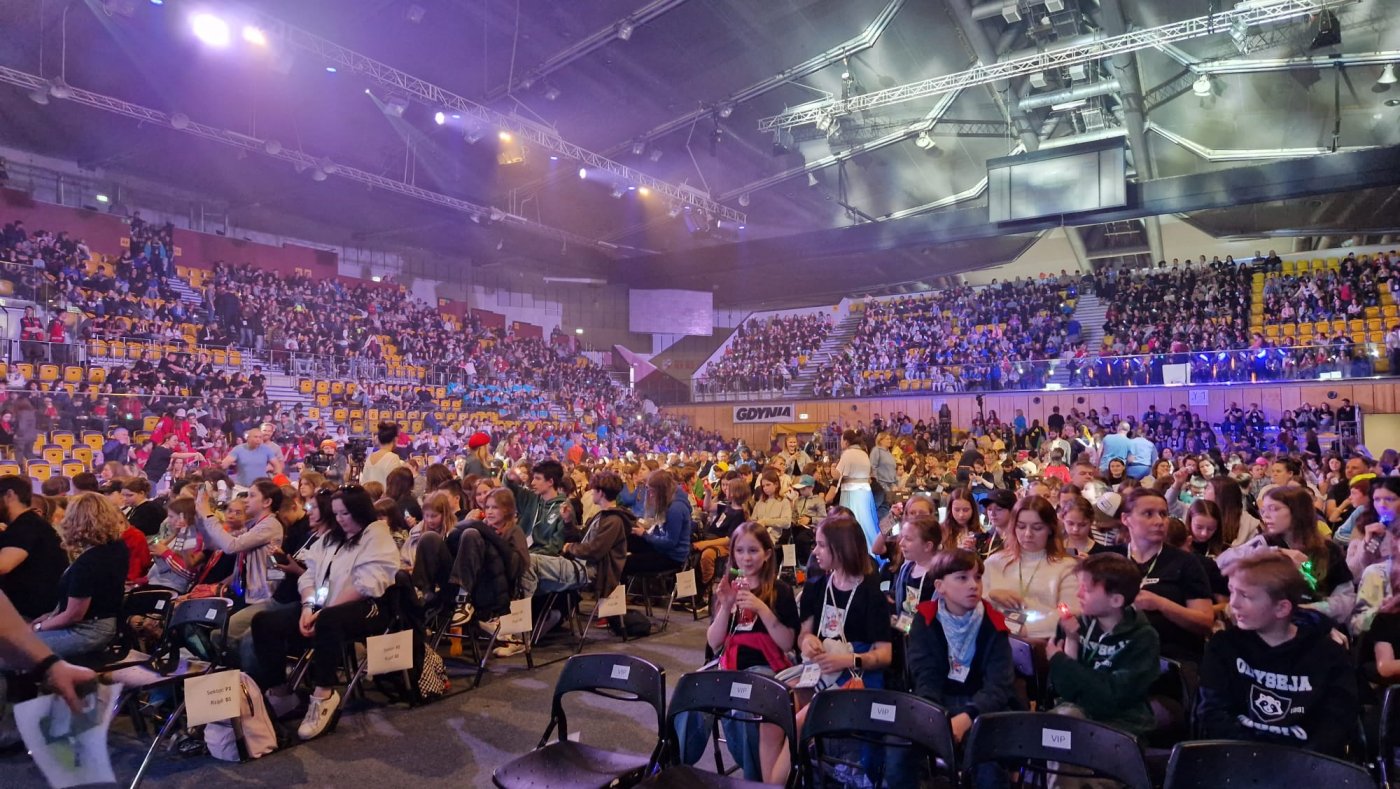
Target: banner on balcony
column 773, row 412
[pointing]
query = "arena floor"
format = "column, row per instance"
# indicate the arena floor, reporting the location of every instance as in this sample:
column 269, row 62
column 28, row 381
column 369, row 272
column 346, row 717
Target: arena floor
column 457, row 741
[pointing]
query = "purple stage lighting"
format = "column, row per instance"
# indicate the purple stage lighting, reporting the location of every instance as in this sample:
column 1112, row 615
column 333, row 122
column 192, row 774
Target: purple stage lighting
column 210, row 29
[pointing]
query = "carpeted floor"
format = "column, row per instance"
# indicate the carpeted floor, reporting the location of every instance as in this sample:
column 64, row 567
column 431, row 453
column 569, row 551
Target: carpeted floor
column 457, row 741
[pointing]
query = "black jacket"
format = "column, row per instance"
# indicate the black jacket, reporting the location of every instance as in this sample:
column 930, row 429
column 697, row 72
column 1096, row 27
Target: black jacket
column 488, row 568
column 1302, row 693
column 989, row 684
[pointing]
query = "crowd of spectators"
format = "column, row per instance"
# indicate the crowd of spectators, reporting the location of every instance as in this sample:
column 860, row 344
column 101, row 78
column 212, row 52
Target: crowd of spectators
column 765, row 354
column 1343, row 294
column 1191, row 307
column 962, row 339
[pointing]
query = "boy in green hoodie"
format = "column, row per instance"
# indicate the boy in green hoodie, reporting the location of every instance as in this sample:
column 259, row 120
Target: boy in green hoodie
column 1103, row 661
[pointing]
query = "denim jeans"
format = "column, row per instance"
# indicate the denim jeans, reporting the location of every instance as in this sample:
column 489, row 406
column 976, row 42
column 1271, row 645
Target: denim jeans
column 82, row 638
column 559, row 573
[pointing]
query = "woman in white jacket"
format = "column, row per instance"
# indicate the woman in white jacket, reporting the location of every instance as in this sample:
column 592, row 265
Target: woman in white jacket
column 347, row 572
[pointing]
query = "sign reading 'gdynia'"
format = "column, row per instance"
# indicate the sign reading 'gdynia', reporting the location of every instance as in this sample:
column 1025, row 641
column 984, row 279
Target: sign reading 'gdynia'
column 749, row 414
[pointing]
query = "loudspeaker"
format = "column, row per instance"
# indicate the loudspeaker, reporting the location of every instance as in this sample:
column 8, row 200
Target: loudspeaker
column 1329, row 31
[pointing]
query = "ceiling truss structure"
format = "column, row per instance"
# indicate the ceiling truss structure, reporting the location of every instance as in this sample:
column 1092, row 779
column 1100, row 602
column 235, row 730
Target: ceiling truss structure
column 529, row 131
column 34, row 82
column 981, row 74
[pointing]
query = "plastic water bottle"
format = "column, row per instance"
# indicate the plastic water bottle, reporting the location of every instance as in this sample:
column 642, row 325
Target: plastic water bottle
column 746, row 617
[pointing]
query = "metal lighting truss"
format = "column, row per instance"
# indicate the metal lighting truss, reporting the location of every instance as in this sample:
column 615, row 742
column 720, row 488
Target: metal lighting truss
column 87, row 98
column 435, row 96
column 1249, row 14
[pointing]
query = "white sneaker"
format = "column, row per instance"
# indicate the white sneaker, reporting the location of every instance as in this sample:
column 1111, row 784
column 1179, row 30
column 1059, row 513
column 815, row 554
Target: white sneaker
column 319, row 713
column 463, row 615
column 510, row 646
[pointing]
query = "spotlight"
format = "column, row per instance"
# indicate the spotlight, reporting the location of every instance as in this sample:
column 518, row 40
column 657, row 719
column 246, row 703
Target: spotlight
column 39, row 96
column 179, row 121
column 318, row 175
column 618, row 192
column 59, row 89
column 327, row 165
column 331, row 70
column 472, row 135
column 726, row 109
column 504, row 136
column 415, row 12
column 1387, row 75
column 273, row 147
column 376, row 278
column 395, row 106
column 578, row 331
column 924, row 141
column 638, row 148
column 643, row 191
column 210, row 29
column 1202, row 86
column 674, row 211
column 744, row 199
column 439, row 118
column 624, row 30
column 631, row 188
column 102, row 198
column 551, row 93
column 254, row 35
column 582, row 172
column 655, row 154
column 157, row 2
column 553, row 158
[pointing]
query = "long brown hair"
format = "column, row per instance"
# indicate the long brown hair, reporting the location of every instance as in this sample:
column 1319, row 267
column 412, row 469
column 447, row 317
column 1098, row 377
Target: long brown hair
column 767, row 590
column 662, row 487
column 1229, row 497
column 769, row 475
column 1209, row 509
column 1302, row 534
column 952, row 530
column 847, row 544
column 1044, row 510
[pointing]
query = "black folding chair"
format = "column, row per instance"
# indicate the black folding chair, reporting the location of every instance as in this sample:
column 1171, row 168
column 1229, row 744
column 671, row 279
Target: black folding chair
column 1388, row 741
column 1212, row 763
column 191, row 647
column 144, row 608
column 565, row 763
column 884, row 718
column 1031, row 668
column 1041, row 744
column 737, row 695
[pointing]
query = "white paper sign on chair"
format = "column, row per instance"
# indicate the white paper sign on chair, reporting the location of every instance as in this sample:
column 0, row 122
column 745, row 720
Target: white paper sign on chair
column 213, row 697
column 519, row 619
column 390, row 652
column 685, row 584
column 614, row 604
column 789, row 555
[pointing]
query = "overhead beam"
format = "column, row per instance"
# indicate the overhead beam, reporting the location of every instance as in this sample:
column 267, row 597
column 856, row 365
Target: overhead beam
column 1257, row 65
column 1125, row 68
column 1002, row 92
column 87, row 98
column 981, row 74
column 436, row 96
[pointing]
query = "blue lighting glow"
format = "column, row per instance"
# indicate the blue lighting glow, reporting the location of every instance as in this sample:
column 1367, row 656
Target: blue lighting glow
column 330, row 69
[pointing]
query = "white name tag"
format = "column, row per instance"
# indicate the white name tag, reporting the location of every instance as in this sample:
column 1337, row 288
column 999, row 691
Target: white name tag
column 614, row 604
column 1055, row 738
column 685, row 584
column 789, row 555
column 740, row 690
column 621, row 672
column 882, row 712
column 213, row 697
column 389, row 653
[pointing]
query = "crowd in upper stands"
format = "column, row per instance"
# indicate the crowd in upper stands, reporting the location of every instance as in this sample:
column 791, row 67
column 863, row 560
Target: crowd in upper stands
column 765, row 354
column 1182, row 308
column 995, row 337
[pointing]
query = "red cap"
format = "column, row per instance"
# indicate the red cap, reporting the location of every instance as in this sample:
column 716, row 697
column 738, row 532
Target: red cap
column 478, row 439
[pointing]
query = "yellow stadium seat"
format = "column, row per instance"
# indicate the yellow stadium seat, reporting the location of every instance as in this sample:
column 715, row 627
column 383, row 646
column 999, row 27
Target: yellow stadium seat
column 83, row 455
column 93, row 441
column 323, row 401
column 235, row 358
column 54, row 454
column 27, row 370
column 304, row 386
column 149, row 423
column 63, row 439
column 323, row 387
column 73, row 468
column 40, row 471
column 9, row 468
column 221, row 357
column 313, row 412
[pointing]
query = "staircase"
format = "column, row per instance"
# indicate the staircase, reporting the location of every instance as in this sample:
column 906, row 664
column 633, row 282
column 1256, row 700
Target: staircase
column 1089, row 311
column 187, row 294
column 839, row 337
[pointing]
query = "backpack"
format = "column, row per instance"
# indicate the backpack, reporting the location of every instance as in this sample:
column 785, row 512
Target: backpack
column 633, row 623
column 259, row 733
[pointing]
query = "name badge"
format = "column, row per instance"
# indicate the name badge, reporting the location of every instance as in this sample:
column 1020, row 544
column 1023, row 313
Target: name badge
column 958, row 672
column 904, row 623
column 831, row 622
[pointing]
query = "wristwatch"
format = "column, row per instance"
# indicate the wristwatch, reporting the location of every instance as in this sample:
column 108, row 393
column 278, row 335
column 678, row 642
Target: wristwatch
column 857, row 663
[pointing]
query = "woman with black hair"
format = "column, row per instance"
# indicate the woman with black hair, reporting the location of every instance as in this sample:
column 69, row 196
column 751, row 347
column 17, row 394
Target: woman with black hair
column 383, row 460
column 347, row 571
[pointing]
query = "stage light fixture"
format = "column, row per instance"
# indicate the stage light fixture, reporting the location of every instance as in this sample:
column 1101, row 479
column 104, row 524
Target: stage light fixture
column 472, row 135
column 59, row 89
column 578, row 331
column 1203, row 86
column 618, row 192
column 674, row 211
column 582, row 173
column 318, row 175
column 157, row 2
column 272, row 147
column 1387, row 75
column 726, row 109
column 744, row 200
column 655, row 154
column 624, row 30
column 179, row 121
column 551, row 93
column 210, row 29
column 327, row 165
column 439, row 118
column 254, row 35
column 415, row 12
column 331, row 70
column 103, row 198
column 504, row 136
column 643, row 191
column 638, row 148
column 924, row 141
column 395, row 106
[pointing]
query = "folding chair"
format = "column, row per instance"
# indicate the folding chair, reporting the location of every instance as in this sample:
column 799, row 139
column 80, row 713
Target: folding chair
column 649, row 596
column 1389, row 739
column 1033, row 669
column 1031, row 741
column 736, row 695
column 197, row 627
column 883, row 718
column 145, row 607
column 1212, row 763
column 566, row 763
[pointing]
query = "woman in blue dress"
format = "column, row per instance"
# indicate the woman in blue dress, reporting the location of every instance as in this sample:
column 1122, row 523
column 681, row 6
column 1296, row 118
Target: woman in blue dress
column 853, row 476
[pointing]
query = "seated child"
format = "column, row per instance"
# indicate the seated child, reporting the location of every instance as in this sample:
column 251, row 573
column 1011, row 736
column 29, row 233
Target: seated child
column 1276, row 675
column 1103, row 662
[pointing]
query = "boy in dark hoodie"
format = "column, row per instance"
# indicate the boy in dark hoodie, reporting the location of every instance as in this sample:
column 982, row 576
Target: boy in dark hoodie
column 1276, row 675
column 540, row 508
column 1103, row 662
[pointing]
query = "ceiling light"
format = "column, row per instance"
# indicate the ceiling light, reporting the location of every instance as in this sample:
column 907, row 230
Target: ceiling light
column 504, row 136
column 39, row 96
column 440, row 118
column 1202, row 86
column 331, row 70
column 179, row 121
column 59, row 89
column 578, row 331
column 638, row 148
column 726, row 109
column 210, row 29
column 157, row 2
column 924, row 141
column 102, row 198
column 1387, row 75
column 643, row 191
column 551, row 93
column 582, row 172
column 273, row 147
column 1066, row 106
column 618, row 192
column 624, row 30
column 318, row 174
column 254, row 35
